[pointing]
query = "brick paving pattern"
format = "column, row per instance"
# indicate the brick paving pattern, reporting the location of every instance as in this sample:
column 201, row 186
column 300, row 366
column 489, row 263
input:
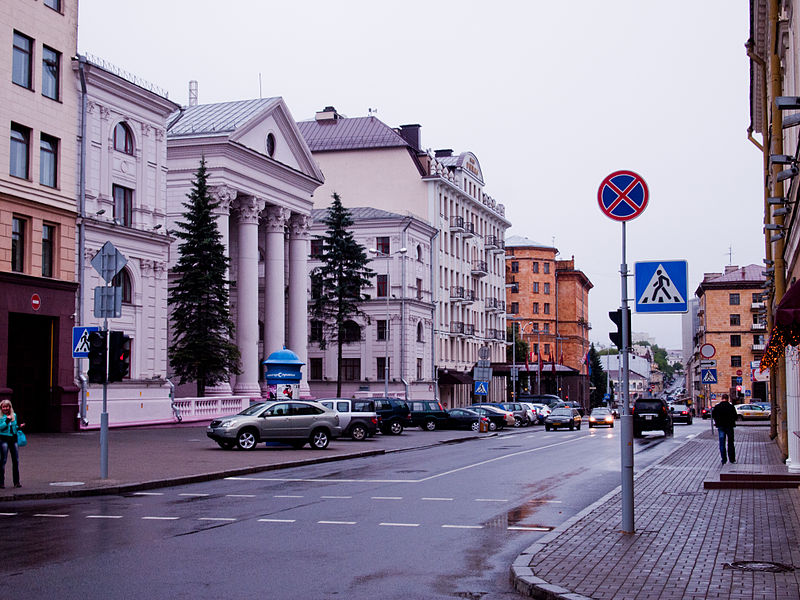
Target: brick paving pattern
column 686, row 536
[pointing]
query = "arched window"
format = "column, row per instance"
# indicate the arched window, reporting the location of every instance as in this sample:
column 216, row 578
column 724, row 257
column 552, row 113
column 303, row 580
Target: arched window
column 351, row 332
column 420, row 332
column 419, row 253
column 123, row 138
column 123, row 280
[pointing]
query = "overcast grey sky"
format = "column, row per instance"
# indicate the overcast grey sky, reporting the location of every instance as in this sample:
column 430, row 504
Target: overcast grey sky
column 550, row 96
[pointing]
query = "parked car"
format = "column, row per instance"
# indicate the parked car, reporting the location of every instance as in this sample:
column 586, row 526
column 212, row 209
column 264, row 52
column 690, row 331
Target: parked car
column 519, row 414
column 705, row 412
column 537, row 412
column 563, row 417
column 393, row 415
column 601, row 416
column 546, row 399
column 681, row 414
column 522, row 416
column 357, row 418
column 498, row 418
column 295, row 423
column 751, row 412
column 651, row 414
column 463, row 418
column 427, row 414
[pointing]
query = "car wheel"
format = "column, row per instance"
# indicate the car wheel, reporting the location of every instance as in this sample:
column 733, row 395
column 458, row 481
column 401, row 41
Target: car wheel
column 226, row 445
column 246, row 439
column 358, row 432
column 517, row 422
column 492, row 426
column 395, row 428
column 668, row 432
column 430, row 425
column 547, row 427
column 578, row 427
column 612, row 425
column 689, row 422
column 319, row 439
column 637, row 433
column 475, row 426
column 572, row 426
column 590, row 425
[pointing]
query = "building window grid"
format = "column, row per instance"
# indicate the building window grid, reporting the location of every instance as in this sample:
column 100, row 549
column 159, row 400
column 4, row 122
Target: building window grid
column 351, row 369
column 20, row 151
column 382, row 286
column 736, row 340
column 18, row 244
column 735, row 319
column 48, row 249
column 315, row 368
column 48, row 161
column 51, row 73
column 382, row 244
column 123, row 138
column 21, row 70
column 383, row 330
column 54, row 4
column 736, row 361
column 733, row 299
column 123, row 205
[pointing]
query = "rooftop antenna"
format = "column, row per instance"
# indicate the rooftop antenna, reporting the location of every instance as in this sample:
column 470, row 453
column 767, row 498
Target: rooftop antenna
column 193, row 92
column 730, row 255
column 372, row 111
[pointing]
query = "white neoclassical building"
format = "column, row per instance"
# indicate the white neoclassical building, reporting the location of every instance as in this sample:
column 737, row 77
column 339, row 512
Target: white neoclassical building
column 122, row 191
column 263, row 175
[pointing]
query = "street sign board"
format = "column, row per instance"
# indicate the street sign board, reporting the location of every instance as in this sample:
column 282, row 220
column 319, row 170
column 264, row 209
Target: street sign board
column 739, row 381
column 482, row 373
column 713, row 396
column 708, row 350
column 107, row 302
column 109, row 261
column 80, row 341
column 623, row 195
column 747, row 392
column 708, row 364
column 708, row 376
column 481, row 388
column 661, row 286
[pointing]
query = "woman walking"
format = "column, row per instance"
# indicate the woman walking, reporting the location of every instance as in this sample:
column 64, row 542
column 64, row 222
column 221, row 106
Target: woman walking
column 8, row 442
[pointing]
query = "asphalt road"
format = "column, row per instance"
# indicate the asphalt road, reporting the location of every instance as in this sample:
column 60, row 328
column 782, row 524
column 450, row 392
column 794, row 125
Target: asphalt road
column 443, row 522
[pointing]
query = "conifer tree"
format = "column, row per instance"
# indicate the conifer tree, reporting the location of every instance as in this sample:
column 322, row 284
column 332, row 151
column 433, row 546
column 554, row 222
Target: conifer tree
column 597, row 378
column 340, row 280
column 202, row 348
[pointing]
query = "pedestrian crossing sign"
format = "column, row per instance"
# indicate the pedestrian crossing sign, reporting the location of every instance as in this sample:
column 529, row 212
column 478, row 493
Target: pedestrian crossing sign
column 708, row 376
column 481, row 388
column 80, row 341
column 661, row 286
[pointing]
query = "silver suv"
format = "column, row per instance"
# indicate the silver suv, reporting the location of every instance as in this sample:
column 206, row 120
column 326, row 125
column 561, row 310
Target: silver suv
column 357, row 417
column 295, row 423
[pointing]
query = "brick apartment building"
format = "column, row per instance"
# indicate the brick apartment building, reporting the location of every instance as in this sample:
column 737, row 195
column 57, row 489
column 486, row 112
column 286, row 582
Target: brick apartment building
column 731, row 317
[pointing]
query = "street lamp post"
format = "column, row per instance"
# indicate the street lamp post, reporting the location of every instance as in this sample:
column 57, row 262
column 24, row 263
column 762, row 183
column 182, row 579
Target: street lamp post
column 387, row 256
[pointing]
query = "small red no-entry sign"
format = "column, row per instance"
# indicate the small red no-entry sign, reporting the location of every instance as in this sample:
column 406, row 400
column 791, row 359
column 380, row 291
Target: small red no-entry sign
column 36, row 302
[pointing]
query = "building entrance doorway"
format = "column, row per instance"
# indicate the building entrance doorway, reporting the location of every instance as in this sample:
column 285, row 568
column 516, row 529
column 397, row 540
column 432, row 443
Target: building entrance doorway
column 31, row 360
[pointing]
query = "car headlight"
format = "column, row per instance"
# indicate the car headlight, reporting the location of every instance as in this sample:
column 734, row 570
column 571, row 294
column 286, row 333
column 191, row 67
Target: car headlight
column 227, row 424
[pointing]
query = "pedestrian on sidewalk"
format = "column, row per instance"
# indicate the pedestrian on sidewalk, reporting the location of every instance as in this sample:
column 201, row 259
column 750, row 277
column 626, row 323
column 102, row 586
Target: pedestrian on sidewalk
column 8, row 442
column 724, row 416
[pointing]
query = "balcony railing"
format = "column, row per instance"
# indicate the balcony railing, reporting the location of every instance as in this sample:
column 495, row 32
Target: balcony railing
column 757, row 306
column 456, row 224
column 470, row 296
column 469, row 229
column 500, row 334
column 759, row 347
column 480, row 268
column 457, row 327
column 491, row 334
column 469, row 329
column 490, row 242
column 758, row 327
column 457, row 293
column 490, row 304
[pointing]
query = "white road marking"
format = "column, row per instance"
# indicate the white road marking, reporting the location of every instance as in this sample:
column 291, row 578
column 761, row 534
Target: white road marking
column 148, row 493
column 276, row 520
column 195, row 495
column 286, row 496
column 439, row 499
column 50, row 515
column 399, row 524
column 240, row 495
column 336, row 497
column 160, row 518
column 215, row 519
column 8, row 514
column 491, row 500
column 462, row 526
column 103, row 516
column 515, row 528
column 336, row 522
column 386, row 498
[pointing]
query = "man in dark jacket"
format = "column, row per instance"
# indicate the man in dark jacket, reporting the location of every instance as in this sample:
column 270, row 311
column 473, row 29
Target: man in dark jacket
column 724, row 416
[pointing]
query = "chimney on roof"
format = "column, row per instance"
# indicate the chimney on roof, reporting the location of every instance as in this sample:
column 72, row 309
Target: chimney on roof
column 193, row 92
column 328, row 114
column 443, row 153
column 410, row 133
column 730, row 269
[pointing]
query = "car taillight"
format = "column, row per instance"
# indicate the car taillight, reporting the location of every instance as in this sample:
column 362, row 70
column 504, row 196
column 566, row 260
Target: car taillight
column 374, row 420
column 684, row 412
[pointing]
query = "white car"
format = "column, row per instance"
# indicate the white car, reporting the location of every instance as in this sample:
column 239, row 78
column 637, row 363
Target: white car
column 752, row 412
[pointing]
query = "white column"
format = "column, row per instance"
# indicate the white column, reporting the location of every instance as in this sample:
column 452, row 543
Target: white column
column 298, row 294
column 248, row 209
column 274, row 264
column 792, row 407
column 224, row 196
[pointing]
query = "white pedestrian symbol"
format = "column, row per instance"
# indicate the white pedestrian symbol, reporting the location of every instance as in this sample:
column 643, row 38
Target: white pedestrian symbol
column 661, row 290
column 709, row 377
column 83, row 342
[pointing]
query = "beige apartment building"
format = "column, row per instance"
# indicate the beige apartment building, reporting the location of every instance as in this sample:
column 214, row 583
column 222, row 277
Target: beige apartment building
column 38, row 190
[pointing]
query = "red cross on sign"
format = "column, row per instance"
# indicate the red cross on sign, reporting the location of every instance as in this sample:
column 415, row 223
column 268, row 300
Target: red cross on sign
column 622, row 195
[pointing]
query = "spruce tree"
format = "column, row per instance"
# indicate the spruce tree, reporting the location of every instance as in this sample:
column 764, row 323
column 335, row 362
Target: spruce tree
column 202, row 348
column 340, row 280
column 598, row 377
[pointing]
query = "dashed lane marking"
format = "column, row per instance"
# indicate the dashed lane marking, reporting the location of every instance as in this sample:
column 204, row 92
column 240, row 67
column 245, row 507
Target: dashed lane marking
column 462, row 526
column 277, row 520
column 103, row 516
column 491, row 500
column 399, row 524
column 160, row 518
column 195, row 495
column 8, row 514
column 518, row 528
column 337, row 522
column 286, row 496
column 240, row 495
column 438, row 499
column 148, row 493
column 50, row 515
column 215, row 519
column 386, row 498
column 335, row 497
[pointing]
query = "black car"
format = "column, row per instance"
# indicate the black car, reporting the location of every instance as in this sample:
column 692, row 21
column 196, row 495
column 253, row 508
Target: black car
column 427, row 414
column 705, row 412
column 651, row 414
column 601, row 416
column 681, row 414
column 393, row 415
column 497, row 416
column 462, row 418
column 563, row 417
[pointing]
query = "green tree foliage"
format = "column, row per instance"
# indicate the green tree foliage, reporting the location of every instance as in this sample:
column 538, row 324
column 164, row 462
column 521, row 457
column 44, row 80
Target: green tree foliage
column 202, row 348
column 518, row 351
column 597, row 379
column 340, row 280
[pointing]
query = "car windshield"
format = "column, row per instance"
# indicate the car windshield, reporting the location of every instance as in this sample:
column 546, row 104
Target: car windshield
column 600, row 412
column 561, row 412
column 644, row 406
column 253, row 409
column 680, row 408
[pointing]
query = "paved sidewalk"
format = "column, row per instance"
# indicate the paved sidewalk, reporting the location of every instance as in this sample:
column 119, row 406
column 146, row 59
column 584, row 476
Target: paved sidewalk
column 68, row 464
column 688, row 540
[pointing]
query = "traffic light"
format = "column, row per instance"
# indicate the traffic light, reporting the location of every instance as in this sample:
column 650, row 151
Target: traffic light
column 119, row 361
column 616, row 337
column 97, row 357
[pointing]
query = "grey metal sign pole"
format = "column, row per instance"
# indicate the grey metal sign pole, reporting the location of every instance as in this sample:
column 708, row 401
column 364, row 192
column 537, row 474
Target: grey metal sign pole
column 626, row 432
column 104, row 414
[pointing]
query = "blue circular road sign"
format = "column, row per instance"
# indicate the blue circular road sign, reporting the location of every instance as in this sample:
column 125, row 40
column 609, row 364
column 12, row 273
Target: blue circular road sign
column 623, row 195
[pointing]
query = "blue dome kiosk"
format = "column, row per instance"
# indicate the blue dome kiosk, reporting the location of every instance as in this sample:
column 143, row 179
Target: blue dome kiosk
column 283, row 374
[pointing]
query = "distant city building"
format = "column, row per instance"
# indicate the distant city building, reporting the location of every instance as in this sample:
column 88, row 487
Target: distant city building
column 369, row 163
column 38, row 212
column 549, row 301
column 731, row 318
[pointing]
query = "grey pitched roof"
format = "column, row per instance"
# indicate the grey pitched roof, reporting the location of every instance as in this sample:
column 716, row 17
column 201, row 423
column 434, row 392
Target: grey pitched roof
column 215, row 118
column 349, row 134
column 520, row 241
column 359, row 213
column 747, row 273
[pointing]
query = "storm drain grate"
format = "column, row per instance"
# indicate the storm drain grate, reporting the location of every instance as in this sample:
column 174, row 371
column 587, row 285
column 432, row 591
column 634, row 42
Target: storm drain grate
column 758, row 565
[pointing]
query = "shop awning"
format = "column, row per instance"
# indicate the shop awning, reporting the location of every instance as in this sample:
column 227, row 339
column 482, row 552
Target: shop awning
column 449, row 377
